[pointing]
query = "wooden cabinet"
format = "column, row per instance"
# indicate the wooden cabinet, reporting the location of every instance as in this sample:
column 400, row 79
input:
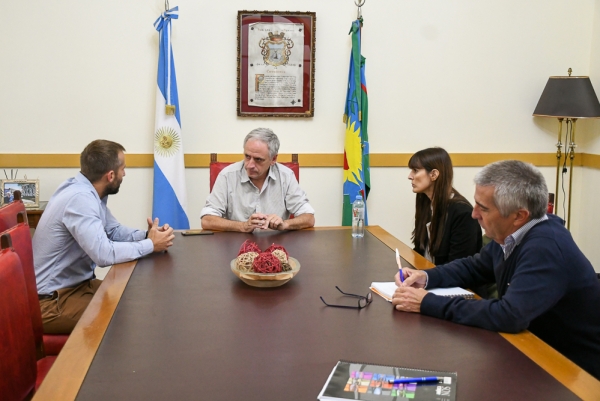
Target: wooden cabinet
column 34, row 215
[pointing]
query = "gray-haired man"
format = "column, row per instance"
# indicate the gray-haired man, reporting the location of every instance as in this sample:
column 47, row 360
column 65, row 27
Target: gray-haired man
column 257, row 192
column 545, row 283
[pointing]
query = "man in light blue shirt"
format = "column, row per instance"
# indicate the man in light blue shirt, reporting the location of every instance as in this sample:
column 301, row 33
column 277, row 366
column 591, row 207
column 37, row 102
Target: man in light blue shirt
column 77, row 232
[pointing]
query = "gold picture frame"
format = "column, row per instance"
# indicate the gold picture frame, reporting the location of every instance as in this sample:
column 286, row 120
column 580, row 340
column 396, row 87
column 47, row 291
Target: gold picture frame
column 30, row 192
column 299, row 95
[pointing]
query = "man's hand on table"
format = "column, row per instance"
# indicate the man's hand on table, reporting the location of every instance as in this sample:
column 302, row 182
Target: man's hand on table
column 408, row 299
column 160, row 228
column 412, row 278
column 256, row 220
column 162, row 237
column 410, row 292
column 263, row 222
column 275, row 222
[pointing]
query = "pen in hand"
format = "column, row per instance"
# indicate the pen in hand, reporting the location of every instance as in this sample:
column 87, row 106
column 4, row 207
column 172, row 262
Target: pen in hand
column 399, row 266
column 415, row 380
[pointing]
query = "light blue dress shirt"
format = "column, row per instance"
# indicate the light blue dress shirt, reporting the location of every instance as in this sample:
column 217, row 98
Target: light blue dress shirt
column 76, row 233
column 515, row 238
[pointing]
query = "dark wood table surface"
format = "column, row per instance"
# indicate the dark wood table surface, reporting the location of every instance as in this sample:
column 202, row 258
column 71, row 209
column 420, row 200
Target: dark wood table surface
column 187, row 328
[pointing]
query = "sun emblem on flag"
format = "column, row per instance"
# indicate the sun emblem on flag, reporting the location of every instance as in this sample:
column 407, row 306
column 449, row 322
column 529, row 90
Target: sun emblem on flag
column 352, row 154
column 166, row 142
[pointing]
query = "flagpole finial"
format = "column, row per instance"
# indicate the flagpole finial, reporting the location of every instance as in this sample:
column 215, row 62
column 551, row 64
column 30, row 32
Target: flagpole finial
column 359, row 4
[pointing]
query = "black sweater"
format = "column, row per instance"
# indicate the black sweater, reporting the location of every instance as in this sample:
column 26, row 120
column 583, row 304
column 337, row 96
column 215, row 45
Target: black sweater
column 462, row 234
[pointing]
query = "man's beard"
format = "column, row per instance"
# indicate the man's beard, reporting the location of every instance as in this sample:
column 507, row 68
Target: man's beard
column 113, row 190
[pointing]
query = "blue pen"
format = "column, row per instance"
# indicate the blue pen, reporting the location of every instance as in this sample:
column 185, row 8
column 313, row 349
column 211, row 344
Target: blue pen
column 399, row 266
column 415, row 380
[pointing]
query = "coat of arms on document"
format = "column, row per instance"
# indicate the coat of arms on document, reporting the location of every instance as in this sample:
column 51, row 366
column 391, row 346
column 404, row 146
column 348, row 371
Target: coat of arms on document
column 276, row 48
column 274, row 65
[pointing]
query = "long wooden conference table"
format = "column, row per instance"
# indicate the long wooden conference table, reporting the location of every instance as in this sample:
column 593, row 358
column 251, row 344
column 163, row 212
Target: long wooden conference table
column 180, row 325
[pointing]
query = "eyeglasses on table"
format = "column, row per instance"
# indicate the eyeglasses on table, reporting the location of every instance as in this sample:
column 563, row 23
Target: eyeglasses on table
column 363, row 301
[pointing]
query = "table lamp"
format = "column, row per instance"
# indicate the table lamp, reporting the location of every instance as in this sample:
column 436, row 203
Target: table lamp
column 567, row 98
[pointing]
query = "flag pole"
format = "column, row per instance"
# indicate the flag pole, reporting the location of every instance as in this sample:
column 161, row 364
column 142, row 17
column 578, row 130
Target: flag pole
column 359, row 11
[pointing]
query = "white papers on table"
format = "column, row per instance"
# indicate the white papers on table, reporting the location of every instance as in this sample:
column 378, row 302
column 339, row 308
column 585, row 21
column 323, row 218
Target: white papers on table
column 387, row 289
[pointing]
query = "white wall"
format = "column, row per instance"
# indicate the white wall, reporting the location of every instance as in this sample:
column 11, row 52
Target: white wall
column 463, row 75
column 586, row 210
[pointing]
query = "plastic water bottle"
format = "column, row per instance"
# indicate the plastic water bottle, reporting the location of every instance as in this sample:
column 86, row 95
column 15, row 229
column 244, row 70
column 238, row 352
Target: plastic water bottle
column 358, row 217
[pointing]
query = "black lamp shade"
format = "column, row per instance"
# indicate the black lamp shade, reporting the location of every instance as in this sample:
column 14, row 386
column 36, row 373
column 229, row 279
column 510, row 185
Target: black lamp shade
column 568, row 97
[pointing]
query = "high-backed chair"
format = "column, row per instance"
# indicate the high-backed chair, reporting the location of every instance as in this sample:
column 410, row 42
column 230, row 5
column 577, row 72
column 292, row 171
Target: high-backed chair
column 9, row 211
column 44, row 362
column 21, row 243
column 46, row 344
column 17, row 348
column 216, row 167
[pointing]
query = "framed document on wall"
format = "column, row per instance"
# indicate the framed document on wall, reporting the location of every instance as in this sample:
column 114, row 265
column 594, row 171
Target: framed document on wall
column 276, row 64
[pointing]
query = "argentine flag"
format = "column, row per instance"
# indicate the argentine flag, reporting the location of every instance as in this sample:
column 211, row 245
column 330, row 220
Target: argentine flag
column 170, row 197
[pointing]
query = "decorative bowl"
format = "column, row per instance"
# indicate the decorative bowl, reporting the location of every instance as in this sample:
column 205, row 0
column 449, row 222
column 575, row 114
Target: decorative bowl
column 267, row 279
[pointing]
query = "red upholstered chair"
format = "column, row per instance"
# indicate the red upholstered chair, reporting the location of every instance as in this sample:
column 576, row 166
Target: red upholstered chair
column 44, row 363
column 216, row 167
column 46, row 344
column 9, row 211
column 17, row 348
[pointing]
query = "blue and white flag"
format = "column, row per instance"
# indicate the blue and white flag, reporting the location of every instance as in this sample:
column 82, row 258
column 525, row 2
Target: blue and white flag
column 170, row 196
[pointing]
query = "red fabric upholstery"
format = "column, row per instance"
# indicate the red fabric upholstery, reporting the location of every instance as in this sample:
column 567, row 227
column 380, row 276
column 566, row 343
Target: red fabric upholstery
column 54, row 343
column 21, row 242
column 8, row 214
column 17, row 347
column 43, row 366
column 295, row 167
column 216, row 167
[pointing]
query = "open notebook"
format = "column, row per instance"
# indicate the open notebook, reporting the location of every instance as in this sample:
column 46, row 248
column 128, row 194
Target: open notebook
column 387, row 289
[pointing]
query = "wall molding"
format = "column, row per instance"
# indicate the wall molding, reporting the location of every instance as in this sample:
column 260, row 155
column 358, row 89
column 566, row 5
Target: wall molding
column 202, row 160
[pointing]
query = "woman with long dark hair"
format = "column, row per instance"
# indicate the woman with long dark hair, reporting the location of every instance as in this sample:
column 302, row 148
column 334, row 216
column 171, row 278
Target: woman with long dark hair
column 444, row 229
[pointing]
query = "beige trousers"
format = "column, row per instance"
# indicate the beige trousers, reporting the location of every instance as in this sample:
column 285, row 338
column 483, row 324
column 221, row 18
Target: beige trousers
column 61, row 313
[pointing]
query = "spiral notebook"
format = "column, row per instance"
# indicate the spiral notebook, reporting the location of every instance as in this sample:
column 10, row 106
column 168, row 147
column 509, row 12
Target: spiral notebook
column 361, row 381
column 387, row 289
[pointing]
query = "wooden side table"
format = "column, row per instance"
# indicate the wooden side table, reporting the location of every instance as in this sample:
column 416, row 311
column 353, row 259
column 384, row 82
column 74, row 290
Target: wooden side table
column 34, row 215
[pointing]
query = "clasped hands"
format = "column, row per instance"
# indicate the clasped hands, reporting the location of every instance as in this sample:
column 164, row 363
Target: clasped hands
column 161, row 236
column 411, row 291
column 264, row 221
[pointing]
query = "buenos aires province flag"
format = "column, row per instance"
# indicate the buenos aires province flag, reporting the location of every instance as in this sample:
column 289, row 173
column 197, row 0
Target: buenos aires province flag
column 357, row 170
column 170, row 196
